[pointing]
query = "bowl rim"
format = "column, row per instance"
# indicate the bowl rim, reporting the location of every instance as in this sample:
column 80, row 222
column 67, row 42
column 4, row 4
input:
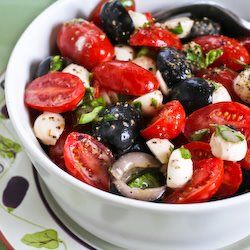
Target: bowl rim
column 46, row 163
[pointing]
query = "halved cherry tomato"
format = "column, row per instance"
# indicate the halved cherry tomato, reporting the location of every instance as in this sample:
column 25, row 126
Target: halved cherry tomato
column 149, row 17
column 96, row 86
column 199, row 150
column 206, row 180
column 245, row 163
column 168, row 123
column 223, row 113
column 245, row 41
column 84, row 43
column 224, row 76
column 154, row 36
column 88, row 160
column 125, row 78
column 95, row 14
column 232, row 180
column 235, row 56
column 56, row 92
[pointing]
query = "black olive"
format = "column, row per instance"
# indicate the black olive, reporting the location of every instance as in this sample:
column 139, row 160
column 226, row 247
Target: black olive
column 173, row 66
column 118, row 126
column 51, row 63
column 116, row 22
column 245, row 185
column 204, row 26
column 193, row 93
column 14, row 192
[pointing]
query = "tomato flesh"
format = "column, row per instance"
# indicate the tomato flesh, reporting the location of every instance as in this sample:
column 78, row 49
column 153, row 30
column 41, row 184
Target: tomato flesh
column 199, row 150
column 88, row 160
column 168, row 123
column 232, row 180
column 56, row 92
column 235, row 56
column 206, row 180
column 155, row 37
column 223, row 113
column 125, row 78
column 245, row 163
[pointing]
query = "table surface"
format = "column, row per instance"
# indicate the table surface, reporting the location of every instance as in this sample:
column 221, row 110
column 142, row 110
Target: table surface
column 15, row 16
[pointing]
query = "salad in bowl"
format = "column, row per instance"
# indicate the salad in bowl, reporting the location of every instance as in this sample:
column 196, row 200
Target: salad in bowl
column 146, row 110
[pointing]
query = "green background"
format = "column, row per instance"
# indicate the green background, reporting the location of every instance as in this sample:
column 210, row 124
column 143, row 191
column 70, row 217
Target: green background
column 15, row 16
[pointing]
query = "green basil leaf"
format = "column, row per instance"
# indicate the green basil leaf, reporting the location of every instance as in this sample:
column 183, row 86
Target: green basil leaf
column 137, row 105
column 212, row 56
column 185, row 153
column 178, row 29
column 44, row 239
column 154, row 103
column 56, row 63
column 89, row 117
column 8, row 148
column 109, row 118
column 195, row 55
column 229, row 134
column 199, row 134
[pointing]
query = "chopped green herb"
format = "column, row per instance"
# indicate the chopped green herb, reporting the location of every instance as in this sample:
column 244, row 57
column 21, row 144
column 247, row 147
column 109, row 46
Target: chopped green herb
column 56, row 63
column 212, row 56
column 145, row 51
column 89, row 117
column 154, row 102
column 90, row 77
column 229, row 134
column 199, row 134
column 109, row 118
column 178, row 29
column 98, row 102
column 137, row 105
column 185, row 153
column 215, row 84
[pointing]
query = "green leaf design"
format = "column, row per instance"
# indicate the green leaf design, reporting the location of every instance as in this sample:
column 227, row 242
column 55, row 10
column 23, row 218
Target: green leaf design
column 46, row 239
column 8, row 148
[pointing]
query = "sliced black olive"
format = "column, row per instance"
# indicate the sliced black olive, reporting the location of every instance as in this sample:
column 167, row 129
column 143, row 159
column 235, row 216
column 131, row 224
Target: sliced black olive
column 51, row 63
column 118, row 126
column 173, row 66
column 193, row 93
column 116, row 22
column 14, row 192
column 204, row 26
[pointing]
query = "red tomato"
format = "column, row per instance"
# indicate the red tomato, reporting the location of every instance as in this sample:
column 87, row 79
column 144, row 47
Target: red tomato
column 199, row 150
column 206, row 180
column 88, row 160
column 235, row 56
column 149, row 17
column 245, row 163
column 125, row 78
column 95, row 14
column 245, row 42
column 154, row 36
column 221, row 75
column 168, row 123
column 84, row 43
column 223, row 113
column 56, row 92
column 96, row 86
column 232, row 179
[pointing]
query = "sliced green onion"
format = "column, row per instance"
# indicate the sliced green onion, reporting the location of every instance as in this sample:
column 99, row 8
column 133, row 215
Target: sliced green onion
column 229, row 134
column 89, row 117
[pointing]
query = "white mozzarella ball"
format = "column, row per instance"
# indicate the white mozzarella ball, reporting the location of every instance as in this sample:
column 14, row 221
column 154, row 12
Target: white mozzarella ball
column 80, row 72
column 138, row 19
column 150, row 103
column 185, row 22
column 228, row 147
column 161, row 148
column 48, row 127
column 180, row 169
column 146, row 63
column 242, row 85
column 124, row 53
column 221, row 94
column 163, row 86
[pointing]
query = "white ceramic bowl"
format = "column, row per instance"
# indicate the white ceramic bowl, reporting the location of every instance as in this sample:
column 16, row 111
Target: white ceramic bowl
column 127, row 223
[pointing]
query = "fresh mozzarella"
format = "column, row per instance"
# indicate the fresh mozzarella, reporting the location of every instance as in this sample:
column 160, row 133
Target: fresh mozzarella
column 146, row 63
column 185, row 22
column 180, row 169
column 161, row 148
column 124, row 53
column 221, row 94
column 138, row 19
column 80, row 72
column 48, row 127
column 163, row 86
column 229, row 145
column 242, row 85
column 150, row 103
